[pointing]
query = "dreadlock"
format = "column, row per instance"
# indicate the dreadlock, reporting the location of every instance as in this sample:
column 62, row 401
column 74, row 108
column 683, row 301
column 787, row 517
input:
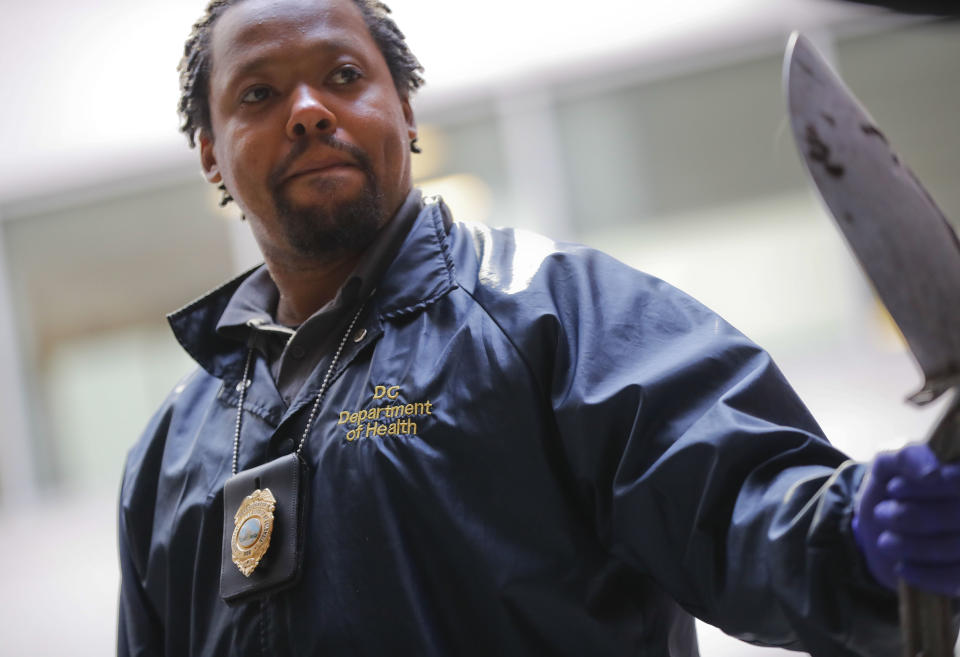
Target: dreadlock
column 194, row 67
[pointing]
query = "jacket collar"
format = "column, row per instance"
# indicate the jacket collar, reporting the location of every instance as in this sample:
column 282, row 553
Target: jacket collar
column 423, row 270
column 421, row 273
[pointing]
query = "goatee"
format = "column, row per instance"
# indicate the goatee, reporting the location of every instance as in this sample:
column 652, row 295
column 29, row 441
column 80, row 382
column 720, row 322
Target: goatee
column 319, row 232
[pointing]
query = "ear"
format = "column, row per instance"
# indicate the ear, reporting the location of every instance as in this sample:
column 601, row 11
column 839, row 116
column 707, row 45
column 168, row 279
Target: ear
column 409, row 118
column 211, row 170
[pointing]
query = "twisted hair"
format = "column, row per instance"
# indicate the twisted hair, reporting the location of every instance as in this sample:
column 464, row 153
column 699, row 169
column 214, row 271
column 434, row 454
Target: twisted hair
column 194, row 67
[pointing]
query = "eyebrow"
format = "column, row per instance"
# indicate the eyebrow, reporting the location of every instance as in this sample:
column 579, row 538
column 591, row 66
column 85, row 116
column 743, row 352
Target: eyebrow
column 259, row 62
column 249, row 67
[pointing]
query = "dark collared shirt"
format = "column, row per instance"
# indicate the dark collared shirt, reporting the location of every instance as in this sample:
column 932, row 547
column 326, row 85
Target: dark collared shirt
column 294, row 352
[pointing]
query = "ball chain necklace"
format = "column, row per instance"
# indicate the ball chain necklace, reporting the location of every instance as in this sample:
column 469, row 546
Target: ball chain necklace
column 263, row 509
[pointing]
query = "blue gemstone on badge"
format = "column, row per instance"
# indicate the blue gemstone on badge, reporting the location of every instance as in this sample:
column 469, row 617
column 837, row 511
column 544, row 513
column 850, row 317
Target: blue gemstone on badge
column 249, row 532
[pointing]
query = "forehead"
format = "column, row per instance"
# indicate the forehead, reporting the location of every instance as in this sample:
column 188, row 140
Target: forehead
column 257, row 31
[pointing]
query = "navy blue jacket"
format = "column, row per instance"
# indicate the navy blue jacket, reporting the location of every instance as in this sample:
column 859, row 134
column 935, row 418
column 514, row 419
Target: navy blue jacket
column 532, row 450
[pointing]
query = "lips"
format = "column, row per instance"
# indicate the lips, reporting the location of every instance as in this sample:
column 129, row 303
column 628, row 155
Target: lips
column 330, row 156
column 317, row 166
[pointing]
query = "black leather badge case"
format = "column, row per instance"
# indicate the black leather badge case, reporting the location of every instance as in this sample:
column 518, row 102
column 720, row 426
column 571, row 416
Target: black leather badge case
column 280, row 565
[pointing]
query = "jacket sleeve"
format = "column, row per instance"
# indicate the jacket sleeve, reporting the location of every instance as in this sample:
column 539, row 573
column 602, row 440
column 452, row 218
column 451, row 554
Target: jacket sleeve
column 138, row 628
column 705, row 471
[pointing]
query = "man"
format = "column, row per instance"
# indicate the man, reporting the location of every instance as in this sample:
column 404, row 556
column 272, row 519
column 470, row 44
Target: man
column 508, row 447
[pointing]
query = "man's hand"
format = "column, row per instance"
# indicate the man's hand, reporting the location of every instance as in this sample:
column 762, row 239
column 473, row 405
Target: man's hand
column 907, row 520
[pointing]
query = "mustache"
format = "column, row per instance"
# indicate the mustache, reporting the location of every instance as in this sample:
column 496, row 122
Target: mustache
column 301, row 146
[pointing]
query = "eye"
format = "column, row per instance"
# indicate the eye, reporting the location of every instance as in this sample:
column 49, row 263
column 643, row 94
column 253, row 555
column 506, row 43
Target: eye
column 345, row 75
column 255, row 95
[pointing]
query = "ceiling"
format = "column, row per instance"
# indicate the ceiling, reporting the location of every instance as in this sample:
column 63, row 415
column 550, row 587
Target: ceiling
column 91, row 85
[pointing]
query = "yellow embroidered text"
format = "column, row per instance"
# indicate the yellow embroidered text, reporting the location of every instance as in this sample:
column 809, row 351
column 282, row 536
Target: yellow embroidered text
column 390, row 420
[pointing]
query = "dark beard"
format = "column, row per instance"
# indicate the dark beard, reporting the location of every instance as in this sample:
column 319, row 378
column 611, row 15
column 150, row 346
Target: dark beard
column 320, row 233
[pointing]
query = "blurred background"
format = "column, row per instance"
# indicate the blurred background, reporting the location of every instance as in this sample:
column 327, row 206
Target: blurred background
column 654, row 131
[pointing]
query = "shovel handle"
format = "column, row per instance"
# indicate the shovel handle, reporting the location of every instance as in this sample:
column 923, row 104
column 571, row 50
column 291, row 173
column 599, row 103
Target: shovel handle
column 926, row 622
column 926, row 619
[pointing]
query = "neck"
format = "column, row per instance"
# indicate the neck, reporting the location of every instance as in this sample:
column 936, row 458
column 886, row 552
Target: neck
column 306, row 284
column 305, row 288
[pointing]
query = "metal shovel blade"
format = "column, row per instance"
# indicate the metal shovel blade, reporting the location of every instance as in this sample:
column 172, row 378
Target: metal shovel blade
column 903, row 241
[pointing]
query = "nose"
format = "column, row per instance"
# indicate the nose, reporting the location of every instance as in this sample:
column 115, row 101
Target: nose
column 309, row 115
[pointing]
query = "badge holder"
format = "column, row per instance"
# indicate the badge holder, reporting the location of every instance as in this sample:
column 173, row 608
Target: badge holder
column 263, row 508
column 263, row 552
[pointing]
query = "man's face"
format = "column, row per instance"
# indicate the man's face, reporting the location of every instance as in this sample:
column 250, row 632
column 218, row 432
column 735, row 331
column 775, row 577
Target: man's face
column 309, row 133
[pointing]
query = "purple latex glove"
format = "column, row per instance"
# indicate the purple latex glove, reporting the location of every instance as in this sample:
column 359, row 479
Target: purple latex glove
column 907, row 520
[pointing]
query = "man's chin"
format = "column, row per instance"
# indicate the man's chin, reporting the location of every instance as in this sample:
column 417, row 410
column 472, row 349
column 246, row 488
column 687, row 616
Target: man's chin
column 330, row 227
